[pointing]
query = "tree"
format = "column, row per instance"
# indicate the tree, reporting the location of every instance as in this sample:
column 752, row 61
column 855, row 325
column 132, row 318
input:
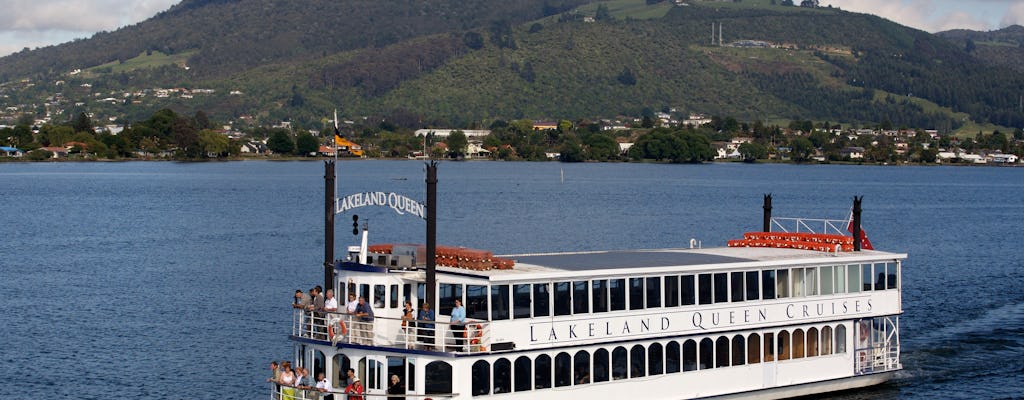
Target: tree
column 280, row 142
column 213, row 143
column 626, row 77
column 752, row 152
column 202, row 120
column 802, row 149
column 186, row 138
column 473, row 40
column 82, row 123
column 602, row 13
column 305, row 144
column 601, row 147
column 457, row 144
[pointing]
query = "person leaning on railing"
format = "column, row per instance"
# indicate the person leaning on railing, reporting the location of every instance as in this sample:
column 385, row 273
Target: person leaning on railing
column 365, row 315
column 426, row 329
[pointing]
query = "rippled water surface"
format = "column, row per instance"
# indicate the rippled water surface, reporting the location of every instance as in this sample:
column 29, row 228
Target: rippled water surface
column 172, row 280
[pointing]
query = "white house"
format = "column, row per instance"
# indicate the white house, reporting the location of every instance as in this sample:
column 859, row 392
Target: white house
column 470, row 133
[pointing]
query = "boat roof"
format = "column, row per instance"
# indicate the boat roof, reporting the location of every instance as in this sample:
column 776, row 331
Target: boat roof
column 616, row 262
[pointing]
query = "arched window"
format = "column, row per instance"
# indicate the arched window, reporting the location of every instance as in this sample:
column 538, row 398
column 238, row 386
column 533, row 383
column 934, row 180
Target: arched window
column 563, row 369
column 739, row 350
column 689, row 355
column 601, row 361
column 637, row 365
column 782, row 350
column 798, row 343
column 542, row 372
column 481, row 378
column 620, row 364
column 840, row 339
column 523, row 374
column 319, row 363
column 769, row 347
column 753, row 348
column 502, row 376
column 673, row 363
column 722, row 352
column 707, row 353
column 438, row 378
column 341, row 364
column 655, row 359
column 581, row 366
column 812, row 342
column 826, row 340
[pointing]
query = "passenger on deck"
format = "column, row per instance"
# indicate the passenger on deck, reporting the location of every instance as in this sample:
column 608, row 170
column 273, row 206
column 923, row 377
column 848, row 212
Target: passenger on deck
column 408, row 324
column 396, row 387
column 331, row 303
column 302, row 300
column 355, row 390
column 275, row 378
column 426, row 329
column 364, row 328
column 458, row 324
column 287, row 381
column 323, row 385
column 352, row 304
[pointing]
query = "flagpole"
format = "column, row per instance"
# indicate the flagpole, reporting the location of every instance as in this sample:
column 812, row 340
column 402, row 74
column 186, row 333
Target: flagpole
column 335, row 140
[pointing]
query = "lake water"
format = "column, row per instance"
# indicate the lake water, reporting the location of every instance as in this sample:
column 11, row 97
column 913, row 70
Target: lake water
column 173, row 280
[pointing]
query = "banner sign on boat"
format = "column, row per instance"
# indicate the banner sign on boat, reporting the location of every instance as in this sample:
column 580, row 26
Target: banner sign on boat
column 401, row 204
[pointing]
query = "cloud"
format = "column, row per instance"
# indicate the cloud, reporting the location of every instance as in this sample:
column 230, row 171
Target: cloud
column 935, row 15
column 1014, row 16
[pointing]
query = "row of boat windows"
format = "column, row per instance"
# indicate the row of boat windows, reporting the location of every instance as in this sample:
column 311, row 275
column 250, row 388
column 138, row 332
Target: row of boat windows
column 585, row 367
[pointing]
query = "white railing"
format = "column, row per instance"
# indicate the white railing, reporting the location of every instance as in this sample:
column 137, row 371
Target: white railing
column 334, row 327
column 826, row 226
column 282, row 392
column 877, row 359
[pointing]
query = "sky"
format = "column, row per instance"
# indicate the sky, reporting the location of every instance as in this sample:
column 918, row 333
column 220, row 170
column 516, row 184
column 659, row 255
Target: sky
column 39, row 23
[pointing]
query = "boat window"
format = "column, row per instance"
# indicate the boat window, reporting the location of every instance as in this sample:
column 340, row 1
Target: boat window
column 812, row 342
column 686, row 290
column 781, row 283
column 617, row 287
column 421, row 293
column 866, row 277
column 637, row 365
column 499, row 303
column 524, row 374
column 581, row 364
column 581, row 297
column 890, row 269
column 653, row 292
column 542, row 372
column 502, row 376
column 840, row 274
column 655, row 359
column 410, row 374
column 704, row 289
column 446, row 295
column 768, row 284
column 707, row 353
column 689, row 355
column 798, row 343
column 673, row 363
column 721, row 287
column 811, row 281
column 407, row 293
column 738, row 289
column 753, row 348
column 601, row 361
column 378, row 296
column 840, row 339
column 319, row 363
column 393, row 300
column 563, row 299
column 782, row 350
column 753, row 286
column 619, row 363
column 437, row 378
column 340, row 365
column 476, row 302
column 826, row 280
column 521, row 301
column 563, row 369
column 672, row 291
column 826, row 340
column 797, row 287
column 371, row 372
column 541, row 299
column 880, row 274
column 853, row 278
column 364, row 292
column 396, row 366
column 769, row 347
column 481, row 378
column 739, row 351
column 636, row 293
column 600, row 294
column 722, row 352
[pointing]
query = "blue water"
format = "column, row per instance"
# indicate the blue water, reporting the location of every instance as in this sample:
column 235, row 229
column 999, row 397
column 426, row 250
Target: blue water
column 173, row 280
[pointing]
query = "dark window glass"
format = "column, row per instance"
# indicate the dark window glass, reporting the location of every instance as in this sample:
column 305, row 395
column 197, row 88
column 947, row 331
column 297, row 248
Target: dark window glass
column 407, row 294
column 523, row 374
column 521, row 301
column 655, row 359
column 891, row 272
column 563, row 299
column 752, row 286
column 620, row 364
column 782, row 283
column 782, row 350
column 563, row 370
column 502, row 376
column 866, row 276
column 637, row 364
column 542, row 372
column 653, row 291
column 481, row 378
column 686, row 290
column 671, row 291
column 600, row 295
column 707, row 353
column 601, row 361
column 636, row 293
column 739, row 353
column 393, row 300
column 768, row 284
column 378, row 296
column 446, row 295
column 689, row 355
column 798, row 343
column 673, row 363
column 541, row 299
column 476, row 302
column 617, row 287
column 722, row 352
column 581, row 368
column 581, row 297
column 737, row 286
column 721, row 287
column 499, row 305
column 438, row 379
column 704, row 289
column 753, row 348
column 769, row 347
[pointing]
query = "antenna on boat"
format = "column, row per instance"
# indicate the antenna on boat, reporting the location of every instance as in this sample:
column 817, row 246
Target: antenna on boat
column 767, row 226
column 431, row 231
column 329, row 196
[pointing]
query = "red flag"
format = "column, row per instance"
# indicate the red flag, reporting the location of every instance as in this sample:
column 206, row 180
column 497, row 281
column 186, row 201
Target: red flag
column 864, row 242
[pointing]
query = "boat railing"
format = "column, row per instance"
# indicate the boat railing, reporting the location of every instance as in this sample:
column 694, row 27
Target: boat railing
column 878, row 358
column 341, row 327
column 284, row 392
column 809, row 225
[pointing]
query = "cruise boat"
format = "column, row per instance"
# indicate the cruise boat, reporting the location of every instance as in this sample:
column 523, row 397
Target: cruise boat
column 802, row 307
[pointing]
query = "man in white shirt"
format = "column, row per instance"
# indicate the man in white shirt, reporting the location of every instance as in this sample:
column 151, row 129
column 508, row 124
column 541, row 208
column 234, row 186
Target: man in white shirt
column 322, row 385
column 331, row 303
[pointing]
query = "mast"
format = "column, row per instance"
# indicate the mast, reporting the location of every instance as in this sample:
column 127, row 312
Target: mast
column 431, row 232
column 329, row 185
column 856, row 222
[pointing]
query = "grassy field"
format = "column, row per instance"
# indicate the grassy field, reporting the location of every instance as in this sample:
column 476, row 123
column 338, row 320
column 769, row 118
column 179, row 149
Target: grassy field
column 637, row 9
column 143, row 61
